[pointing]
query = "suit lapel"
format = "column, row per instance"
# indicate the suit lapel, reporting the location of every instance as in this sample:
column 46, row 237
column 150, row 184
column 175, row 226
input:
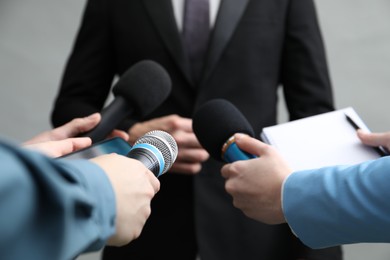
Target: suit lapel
column 161, row 12
column 229, row 15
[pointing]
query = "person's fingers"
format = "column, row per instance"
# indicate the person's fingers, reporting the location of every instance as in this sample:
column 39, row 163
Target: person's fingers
column 225, row 171
column 192, row 155
column 175, row 122
column 170, row 124
column 251, row 145
column 154, row 182
column 120, row 134
column 186, row 168
column 373, row 139
column 80, row 143
column 232, row 169
column 189, row 161
column 185, row 124
column 70, row 145
column 61, row 147
column 77, row 126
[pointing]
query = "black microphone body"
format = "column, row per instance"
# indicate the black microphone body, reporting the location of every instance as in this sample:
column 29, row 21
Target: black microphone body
column 112, row 115
column 147, row 158
column 215, row 124
column 139, row 91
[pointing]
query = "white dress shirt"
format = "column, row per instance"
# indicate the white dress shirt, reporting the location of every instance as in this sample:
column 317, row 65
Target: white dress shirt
column 178, row 10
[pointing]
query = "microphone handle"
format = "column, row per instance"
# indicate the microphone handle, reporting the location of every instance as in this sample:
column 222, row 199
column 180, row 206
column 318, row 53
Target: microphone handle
column 149, row 156
column 112, row 115
column 231, row 152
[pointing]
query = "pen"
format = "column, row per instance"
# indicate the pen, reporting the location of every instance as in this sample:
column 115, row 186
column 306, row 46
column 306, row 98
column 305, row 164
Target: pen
column 382, row 151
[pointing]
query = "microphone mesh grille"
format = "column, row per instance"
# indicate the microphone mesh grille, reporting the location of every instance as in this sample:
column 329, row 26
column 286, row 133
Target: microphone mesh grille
column 164, row 142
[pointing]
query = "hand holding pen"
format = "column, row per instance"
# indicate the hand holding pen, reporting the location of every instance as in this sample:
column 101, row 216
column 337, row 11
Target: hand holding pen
column 379, row 141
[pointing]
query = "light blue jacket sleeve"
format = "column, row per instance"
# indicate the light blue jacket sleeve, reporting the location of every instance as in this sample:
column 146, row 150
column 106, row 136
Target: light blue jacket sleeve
column 52, row 209
column 339, row 205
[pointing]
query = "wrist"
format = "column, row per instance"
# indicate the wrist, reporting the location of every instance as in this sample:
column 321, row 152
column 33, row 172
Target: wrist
column 282, row 194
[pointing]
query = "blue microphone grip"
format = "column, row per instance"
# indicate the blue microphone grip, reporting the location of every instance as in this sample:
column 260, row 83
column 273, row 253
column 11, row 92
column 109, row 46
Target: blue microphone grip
column 231, row 152
column 150, row 156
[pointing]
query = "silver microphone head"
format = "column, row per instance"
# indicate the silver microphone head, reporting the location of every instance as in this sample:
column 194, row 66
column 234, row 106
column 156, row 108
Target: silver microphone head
column 165, row 143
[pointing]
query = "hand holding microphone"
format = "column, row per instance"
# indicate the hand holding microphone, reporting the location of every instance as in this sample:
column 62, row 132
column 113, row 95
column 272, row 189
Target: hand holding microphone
column 157, row 150
column 255, row 185
column 215, row 124
column 133, row 185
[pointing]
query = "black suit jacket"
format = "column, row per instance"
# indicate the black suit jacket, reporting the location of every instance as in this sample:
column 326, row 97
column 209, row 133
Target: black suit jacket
column 256, row 46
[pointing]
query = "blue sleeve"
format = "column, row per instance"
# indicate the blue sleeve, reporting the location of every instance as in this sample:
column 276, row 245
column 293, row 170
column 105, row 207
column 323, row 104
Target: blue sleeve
column 339, row 205
column 52, row 209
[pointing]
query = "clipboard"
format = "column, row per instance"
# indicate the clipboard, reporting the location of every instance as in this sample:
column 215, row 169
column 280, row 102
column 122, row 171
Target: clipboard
column 322, row 140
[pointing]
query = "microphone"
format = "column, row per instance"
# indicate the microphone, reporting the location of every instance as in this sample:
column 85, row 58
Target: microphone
column 215, row 123
column 157, row 150
column 140, row 90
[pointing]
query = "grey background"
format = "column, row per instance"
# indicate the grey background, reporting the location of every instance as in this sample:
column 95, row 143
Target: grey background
column 36, row 37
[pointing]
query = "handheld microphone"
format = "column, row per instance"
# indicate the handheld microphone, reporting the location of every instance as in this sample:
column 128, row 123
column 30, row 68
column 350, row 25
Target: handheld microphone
column 215, row 123
column 157, row 150
column 140, row 90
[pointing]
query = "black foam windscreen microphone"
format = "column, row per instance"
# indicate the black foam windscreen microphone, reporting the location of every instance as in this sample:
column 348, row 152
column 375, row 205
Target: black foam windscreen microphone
column 139, row 91
column 215, row 123
column 157, row 150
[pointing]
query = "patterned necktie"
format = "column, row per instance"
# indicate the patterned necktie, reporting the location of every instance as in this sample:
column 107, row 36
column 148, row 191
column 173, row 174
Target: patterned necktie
column 196, row 31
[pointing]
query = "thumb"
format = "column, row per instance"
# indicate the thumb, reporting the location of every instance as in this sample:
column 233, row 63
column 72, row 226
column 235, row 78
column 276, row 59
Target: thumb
column 79, row 125
column 250, row 144
column 372, row 139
